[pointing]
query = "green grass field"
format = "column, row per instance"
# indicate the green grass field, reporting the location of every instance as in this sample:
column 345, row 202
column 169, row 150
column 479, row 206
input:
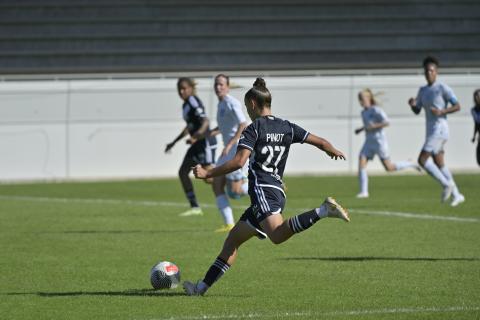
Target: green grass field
column 84, row 251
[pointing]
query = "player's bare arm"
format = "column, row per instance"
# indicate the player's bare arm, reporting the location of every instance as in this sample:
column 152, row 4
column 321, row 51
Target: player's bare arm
column 377, row 125
column 201, row 132
column 358, row 130
column 236, row 163
column 235, row 138
column 179, row 137
column 412, row 102
column 440, row 112
column 325, row 146
column 215, row 131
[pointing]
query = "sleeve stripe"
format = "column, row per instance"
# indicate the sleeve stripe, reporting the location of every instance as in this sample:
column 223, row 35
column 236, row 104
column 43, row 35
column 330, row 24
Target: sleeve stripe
column 306, row 135
column 245, row 146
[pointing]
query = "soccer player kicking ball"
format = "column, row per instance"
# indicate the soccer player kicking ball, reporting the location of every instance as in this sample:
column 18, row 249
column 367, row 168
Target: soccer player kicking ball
column 268, row 140
column 434, row 99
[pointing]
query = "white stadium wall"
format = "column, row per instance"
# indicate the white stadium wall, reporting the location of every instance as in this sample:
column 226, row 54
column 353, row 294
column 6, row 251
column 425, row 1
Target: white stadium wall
column 98, row 129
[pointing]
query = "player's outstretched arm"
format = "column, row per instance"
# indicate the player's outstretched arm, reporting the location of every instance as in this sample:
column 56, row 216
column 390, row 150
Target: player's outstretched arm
column 179, row 137
column 236, row 163
column 326, row 146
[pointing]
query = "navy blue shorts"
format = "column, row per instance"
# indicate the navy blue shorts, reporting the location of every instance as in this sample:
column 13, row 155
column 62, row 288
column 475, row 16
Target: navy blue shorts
column 265, row 201
column 202, row 152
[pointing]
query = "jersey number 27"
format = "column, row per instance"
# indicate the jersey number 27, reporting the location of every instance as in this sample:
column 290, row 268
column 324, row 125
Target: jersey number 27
column 274, row 155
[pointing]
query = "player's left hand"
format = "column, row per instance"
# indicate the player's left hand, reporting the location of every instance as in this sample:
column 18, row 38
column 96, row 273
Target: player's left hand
column 199, row 172
column 336, row 154
column 191, row 140
column 436, row 112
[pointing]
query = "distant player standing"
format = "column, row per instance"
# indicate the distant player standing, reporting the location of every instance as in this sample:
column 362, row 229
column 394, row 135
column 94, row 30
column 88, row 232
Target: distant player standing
column 434, row 98
column 202, row 149
column 231, row 122
column 476, row 119
column 374, row 120
column 266, row 141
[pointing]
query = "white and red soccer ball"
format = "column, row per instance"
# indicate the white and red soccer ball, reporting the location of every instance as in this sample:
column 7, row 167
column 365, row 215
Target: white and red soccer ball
column 164, row 275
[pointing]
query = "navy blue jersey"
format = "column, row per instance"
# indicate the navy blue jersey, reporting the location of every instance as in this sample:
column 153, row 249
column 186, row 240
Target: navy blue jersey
column 194, row 115
column 269, row 138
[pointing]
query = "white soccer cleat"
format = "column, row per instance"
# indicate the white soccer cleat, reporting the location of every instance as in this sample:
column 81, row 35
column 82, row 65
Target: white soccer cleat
column 191, row 289
column 192, row 212
column 457, row 200
column 334, row 210
column 446, row 193
column 362, row 195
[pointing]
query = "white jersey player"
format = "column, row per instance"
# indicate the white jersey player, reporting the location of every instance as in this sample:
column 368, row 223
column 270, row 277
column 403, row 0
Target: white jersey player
column 231, row 122
column 374, row 120
column 435, row 98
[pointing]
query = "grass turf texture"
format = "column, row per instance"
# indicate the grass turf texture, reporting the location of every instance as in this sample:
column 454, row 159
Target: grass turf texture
column 67, row 258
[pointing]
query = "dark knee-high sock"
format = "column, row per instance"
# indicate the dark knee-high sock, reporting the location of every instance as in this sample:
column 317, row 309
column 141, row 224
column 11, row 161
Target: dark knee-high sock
column 217, row 269
column 192, row 199
column 305, row 220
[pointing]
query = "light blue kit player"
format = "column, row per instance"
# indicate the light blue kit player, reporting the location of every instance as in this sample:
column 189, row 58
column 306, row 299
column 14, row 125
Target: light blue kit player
column 374, row 120
column 231, row 122
column 435, row 98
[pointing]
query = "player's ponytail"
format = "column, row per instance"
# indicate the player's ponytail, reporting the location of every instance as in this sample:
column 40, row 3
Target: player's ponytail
column 260, row 94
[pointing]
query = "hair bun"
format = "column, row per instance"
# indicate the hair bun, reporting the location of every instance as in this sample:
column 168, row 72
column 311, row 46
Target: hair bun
column 259, row 83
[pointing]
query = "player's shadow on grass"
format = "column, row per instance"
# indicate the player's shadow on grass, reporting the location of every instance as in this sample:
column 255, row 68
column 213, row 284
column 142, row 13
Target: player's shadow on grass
column 124, row 231
column 124, row 293
column 370, row 258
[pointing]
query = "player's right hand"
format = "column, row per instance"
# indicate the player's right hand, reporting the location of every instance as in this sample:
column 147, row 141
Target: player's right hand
column 412, row 102
column 169, row 146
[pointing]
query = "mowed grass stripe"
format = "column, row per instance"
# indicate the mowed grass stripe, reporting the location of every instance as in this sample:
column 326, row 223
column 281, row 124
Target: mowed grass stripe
column 407, row 215
column 328, row 314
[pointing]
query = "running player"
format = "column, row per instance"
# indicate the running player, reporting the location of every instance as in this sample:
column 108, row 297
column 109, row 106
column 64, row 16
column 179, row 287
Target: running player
column 374, row 120
column 231, row 122
column 202, row 149
column 434, row 98
column 266, row 141
column 476, row 120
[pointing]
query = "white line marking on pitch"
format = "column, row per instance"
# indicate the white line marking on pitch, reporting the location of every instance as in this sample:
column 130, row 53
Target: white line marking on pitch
column 326, row 314
column 408, row 215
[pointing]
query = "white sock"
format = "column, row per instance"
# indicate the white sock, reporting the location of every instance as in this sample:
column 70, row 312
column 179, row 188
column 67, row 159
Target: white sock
column 363, row 179
column 400, row 165
column 435, row 172
column 224, row 208
column 446, row 173
column 245, row 187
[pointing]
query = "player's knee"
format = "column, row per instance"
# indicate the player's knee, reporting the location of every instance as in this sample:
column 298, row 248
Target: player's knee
column 276, row 238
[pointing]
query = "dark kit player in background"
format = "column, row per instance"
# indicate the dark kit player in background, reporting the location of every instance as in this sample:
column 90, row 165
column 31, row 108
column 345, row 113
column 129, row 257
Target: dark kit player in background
column 203, row 145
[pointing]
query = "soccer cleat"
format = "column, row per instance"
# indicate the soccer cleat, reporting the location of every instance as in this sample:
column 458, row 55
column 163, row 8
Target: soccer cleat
column 196, row 211
column 447, row 192
column 225, row 228
column 457, row 200
column 362, row 195
column 334, row 210
column 191, row 289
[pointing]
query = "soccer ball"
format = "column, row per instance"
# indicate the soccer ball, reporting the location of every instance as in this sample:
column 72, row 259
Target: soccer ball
column 164, row 275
